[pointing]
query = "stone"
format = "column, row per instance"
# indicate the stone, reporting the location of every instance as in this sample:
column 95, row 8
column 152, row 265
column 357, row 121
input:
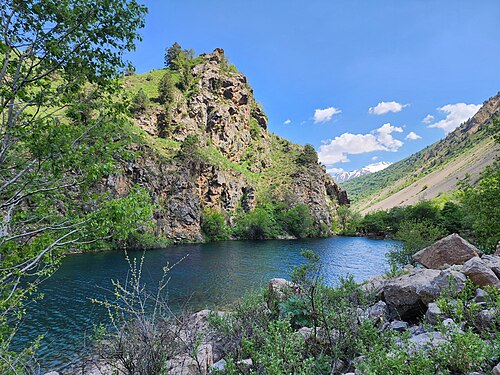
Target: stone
column 496, row 370
column 52, row 373
column 246, row 362
column 426, row 340
column 183, row 365
column 450, row 250
column 399, row 326
column 485, row 318
column 446, row 280
column 449, row 323
column 493, row 262
column 434, row 314
column 403, row 292
column 481, row 296
column 478, row 271
column 278, row 288
column 219, row 365
column 305, row 332
column 378, row 312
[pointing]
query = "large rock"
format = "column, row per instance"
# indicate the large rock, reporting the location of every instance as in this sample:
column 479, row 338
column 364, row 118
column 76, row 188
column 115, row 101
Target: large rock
column 404, row 292
column 279, row 288
column 493, row 263
column 434, row 314
column 478, row 271
column 449, row 279
column 446, row 252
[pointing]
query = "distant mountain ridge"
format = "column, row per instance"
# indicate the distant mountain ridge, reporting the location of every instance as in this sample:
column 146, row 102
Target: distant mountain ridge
column 340, row 177
column 432, row 171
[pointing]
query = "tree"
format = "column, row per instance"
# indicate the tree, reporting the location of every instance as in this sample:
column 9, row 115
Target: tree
column 59, row 135
column 482, row 206
column 172, row 54
column 166, row 89
column 308, row 156
column 139, row 102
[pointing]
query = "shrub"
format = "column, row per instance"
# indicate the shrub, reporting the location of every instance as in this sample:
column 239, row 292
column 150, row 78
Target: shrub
column 297, row 221
column 415, row 235
column 214, row 225
column 308, row 156
column 258, row 224
column 166, row 89
column 139, row 102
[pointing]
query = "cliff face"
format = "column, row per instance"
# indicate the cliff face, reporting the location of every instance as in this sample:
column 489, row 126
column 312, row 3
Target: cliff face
column 235, row 165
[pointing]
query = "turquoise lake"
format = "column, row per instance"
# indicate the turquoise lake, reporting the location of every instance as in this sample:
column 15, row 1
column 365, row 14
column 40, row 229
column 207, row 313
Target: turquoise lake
column 210, row 275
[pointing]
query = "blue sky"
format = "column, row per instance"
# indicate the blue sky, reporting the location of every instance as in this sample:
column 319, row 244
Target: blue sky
column 322, row 65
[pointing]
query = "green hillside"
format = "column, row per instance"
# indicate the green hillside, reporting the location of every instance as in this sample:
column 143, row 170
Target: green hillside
column 366, row 190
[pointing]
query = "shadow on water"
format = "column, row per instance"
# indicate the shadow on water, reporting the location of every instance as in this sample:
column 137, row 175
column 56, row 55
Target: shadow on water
column 213, row 274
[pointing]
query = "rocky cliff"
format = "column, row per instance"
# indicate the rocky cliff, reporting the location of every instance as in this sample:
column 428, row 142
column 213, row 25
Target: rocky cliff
column 210, row 148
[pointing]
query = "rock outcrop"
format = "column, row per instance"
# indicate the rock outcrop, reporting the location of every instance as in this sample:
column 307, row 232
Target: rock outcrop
column 238, row 161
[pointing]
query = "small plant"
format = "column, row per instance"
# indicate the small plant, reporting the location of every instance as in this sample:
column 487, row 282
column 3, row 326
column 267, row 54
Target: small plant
column 139, row 103
column 213, row 225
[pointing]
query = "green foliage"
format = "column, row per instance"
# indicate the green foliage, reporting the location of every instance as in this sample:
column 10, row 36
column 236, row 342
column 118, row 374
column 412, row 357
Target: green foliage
column 348, row 220
column 308, row 156
column 189, row 149
column 258, row 224
column 172, row 54
column 277, row 350
column 62, row 119
column 139, row 103
column 297, row 221
column 415, row 235
column 213, row 225
column 482, row 207
column 166, row 89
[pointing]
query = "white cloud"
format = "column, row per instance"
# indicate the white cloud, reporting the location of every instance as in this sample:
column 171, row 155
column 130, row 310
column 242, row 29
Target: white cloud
column 287, row 122
column 324, row 115
column 456, row 115
column 386, row 107
column 428, row 119
column 338, row 149
column 375, row 158
column 412, row 136
column 385, row 138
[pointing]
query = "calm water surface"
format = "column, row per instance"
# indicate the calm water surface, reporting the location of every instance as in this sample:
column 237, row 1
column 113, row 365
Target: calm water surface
column 214, row 274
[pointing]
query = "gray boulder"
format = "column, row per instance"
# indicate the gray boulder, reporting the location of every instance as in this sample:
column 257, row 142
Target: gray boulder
column 486, row 318
column 403, row 292
column 426, row 340
column 434, row 314
column 496, row 370
column 378, row 312
column 479, row 272
column 399, row 326
column 446, row 280
column 450, row 250
column 493, row 262
column 481, row 296
column 278, row 288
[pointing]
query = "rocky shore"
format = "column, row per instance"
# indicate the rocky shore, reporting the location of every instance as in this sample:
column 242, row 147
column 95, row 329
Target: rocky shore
column 406, row 303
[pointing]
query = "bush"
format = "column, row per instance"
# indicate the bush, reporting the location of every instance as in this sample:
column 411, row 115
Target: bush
column 166, row 89
column 297, row 221
column 308, row 156
column 214, row 225
column 139, row 102
column 258, row 224
column 415, row 235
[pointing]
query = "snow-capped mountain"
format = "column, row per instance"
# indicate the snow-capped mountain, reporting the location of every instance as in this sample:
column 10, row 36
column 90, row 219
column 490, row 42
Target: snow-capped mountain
column 343, row 176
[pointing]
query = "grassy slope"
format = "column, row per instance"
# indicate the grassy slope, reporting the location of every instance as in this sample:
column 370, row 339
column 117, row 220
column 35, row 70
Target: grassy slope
column 366, row 191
